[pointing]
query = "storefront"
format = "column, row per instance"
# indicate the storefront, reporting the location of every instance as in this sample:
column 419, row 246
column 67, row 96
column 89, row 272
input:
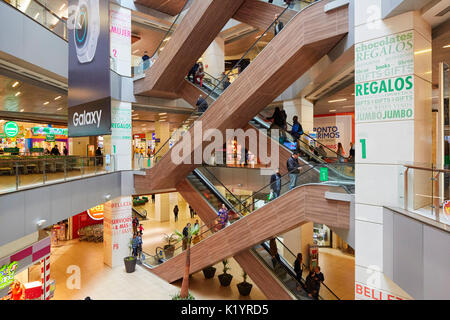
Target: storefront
column 25, row 275
column 30, row 138
column 322, row 235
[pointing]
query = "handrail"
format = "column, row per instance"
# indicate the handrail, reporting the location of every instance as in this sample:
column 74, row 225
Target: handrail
column 426, row 168
column 17, row 7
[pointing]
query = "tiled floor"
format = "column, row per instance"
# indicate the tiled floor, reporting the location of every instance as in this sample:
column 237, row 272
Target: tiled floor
column 339, row 271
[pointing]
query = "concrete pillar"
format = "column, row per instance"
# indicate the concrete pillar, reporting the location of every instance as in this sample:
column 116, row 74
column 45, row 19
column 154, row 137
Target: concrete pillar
column 162, row 207
column 393, row 122
column 118, row 231
column 214, row 58
column 302, row 108
column 183, row 206
column 298, row 240
column 162, row 133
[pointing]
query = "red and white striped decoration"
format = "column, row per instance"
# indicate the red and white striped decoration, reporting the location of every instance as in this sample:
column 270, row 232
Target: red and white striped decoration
column 45, row 278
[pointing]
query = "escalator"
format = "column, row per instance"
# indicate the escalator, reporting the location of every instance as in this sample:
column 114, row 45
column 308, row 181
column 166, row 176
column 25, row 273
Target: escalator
column 141, row 213
column 204, row 182
column 279, row 64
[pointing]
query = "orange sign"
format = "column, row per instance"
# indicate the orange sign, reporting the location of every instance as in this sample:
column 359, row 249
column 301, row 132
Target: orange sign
column 96, row 213
column 446, row 207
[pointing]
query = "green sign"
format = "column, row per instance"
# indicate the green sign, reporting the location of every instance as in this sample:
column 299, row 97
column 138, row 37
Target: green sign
column 7, row 273
column 50, row 137
column 37, row 150
column 47, row 130
column 11, row 129
column 11, row 150
column 363, row 148
column 323, row 174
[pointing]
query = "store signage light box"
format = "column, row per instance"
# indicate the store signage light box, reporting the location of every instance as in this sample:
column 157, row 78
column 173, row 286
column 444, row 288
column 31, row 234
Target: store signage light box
column 7, row 273
column 11, row 129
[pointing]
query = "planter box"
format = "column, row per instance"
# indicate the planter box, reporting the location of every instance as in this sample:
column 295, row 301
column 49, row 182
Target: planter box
column 225, row 279
column 209, row 272
column 130, row 264
column 244, row 288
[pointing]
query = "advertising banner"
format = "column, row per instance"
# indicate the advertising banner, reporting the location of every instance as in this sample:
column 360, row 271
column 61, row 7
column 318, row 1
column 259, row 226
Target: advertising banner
column 384, row 85
column 89, row 68
column 120, row 40
column 332, row 130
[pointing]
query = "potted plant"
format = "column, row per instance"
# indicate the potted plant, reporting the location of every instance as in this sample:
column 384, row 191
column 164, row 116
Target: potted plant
column 209, row 272
column 130, row 261
column 169, row 248
column 244, row 287
column 225, row 278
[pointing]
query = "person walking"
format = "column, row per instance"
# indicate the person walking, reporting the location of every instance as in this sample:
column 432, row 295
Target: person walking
column 65, row 151
column 274, row 252
column 135, row 224
column 145, row 61
column 55, row 151
column 278, row 25
column 139, row 245
column 277, row 120
column 200, row 74
column 340, row 153
column 318, row 279
column 223, row 216
column 141, row 230
column 185, row 236
column 193, row 72
column 351, row 157
column 175, row 212
column 275, row 184
column 293, row 169
column 297, row 129
column 202, row 104
column 298, row 268
column 134, row 244
column 191, row 211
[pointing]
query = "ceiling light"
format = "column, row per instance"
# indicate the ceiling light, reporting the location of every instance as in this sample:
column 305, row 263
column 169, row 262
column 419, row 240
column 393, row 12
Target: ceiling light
column 161, row 49
column 15, row 84
column 62, row 6
column 58, row 109
column 58, row 97
column 423, row 51
column 22, row 110
column 337, row 100
column 446, row 46
column 166, row 39
column 334, row 110
column 162, row 113
column 18, row 93
column 46, row 103
column 135, row 51
column 37, row 15
column 347, row 107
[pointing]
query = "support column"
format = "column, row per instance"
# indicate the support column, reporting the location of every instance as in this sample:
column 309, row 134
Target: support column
column 183, row 206
column 118, row 231
column 302, row 108
column 162, row 133
column 162, row 207
column 214, row 58
column 298, row 241
column 45, row 278
column 393, row 127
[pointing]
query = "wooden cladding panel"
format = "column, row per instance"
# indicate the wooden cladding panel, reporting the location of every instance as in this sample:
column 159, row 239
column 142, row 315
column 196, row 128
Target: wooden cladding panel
column 202, row 23
column 260, row 14
column 170, row 7
column 299, row 206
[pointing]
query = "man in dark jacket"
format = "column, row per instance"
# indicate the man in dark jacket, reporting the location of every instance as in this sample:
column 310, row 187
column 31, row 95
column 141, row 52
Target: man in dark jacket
column 275, row 184
column 293, row 169
column 192, row 72
column 201, row 104
column 55, row 151
column 278, row 25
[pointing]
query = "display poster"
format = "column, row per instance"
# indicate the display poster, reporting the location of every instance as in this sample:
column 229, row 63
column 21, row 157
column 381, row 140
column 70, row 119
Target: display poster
column 384, row 82
column 332, row 130
column 89, row 111
column 121, row 135
column 120, row 33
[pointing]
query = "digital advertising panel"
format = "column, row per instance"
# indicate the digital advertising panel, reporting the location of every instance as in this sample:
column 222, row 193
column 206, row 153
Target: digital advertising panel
column 89, row 68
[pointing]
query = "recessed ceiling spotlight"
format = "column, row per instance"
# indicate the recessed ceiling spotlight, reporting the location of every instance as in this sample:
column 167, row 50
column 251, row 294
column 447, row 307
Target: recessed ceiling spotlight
column 22, row 110
column 337, row 100
column 18, row 93
column 15, row 84
column 36, row 16
column 58, row 97
column 46, row 103
column 58, row 109
column 334, row 110
column 162, row 113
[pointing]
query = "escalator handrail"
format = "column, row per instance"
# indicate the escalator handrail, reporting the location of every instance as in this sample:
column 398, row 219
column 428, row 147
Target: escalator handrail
column 139, row 213
column 170, row 28
column 241, row 59
column 304, row 265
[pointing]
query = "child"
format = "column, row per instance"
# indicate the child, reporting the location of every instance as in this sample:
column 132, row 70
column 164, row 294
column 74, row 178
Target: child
column 141, row 229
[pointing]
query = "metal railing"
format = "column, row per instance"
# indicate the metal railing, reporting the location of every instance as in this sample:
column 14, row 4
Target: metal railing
column 42, row 15
column 19, row 173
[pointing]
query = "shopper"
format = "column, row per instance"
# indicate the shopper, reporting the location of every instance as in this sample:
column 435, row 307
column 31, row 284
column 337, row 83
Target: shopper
column 321, row 152
column 200, row 74
column 278, row 25
column 135, row 224
column 223, row 216
column 175, row 212
column 65, row 151
column 274, row 252
column 293, row 169
column 277, row 120
column 226, row 82
column 275, row 184
column 351, row 157
column 196, row 238
column 201, row 104
column 310, row 284
column 193, row 72
column 191, row 211
column 297, row 129
column 135, row 244
column 340, row 153
column 185, row 236
column 145, row 61
column 318, row 279
column 141, row 229
column 99, row 156
column 55, row 151
column 139, row 245
column 298, row 268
